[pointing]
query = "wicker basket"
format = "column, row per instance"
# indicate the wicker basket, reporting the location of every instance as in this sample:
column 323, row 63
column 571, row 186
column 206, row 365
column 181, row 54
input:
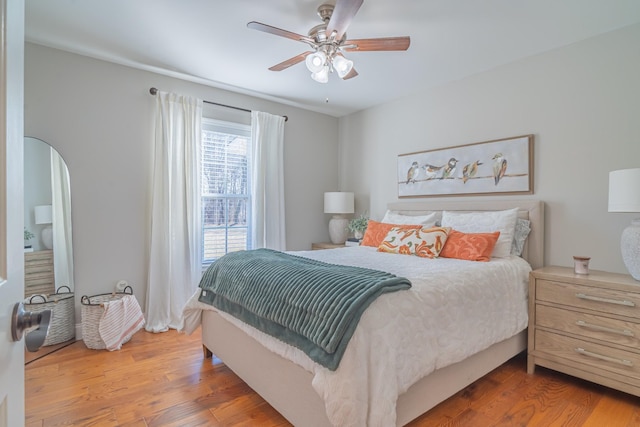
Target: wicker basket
column 62, row 327
column 92, row 311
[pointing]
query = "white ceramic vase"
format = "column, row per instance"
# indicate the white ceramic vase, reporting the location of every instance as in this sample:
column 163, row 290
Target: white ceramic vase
column 47, row 237
column 630, row 247
column 338, row 229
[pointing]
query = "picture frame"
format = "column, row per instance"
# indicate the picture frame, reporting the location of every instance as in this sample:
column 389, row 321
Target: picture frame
column 500, row 166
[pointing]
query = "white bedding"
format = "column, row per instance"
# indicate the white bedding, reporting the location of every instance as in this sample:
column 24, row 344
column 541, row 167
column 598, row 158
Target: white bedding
column 454, row 309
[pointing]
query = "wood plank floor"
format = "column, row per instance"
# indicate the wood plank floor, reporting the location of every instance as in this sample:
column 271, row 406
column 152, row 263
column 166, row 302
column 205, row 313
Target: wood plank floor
column 164, row 380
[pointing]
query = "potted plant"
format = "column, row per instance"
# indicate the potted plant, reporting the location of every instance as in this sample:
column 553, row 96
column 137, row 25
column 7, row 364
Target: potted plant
column 28, row 235
column 358, row 225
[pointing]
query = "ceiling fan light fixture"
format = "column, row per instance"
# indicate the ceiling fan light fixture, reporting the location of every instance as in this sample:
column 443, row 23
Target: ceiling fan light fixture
column 329, row 40
column 316, row 61
column 342, row 65
column 321, row 76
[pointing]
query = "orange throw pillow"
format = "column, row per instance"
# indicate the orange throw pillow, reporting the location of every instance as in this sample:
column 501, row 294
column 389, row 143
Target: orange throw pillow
column 470, row 246
column 377, row 231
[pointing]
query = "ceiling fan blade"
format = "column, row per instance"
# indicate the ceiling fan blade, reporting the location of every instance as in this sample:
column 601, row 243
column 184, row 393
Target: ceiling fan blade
column 279, row 32
column 384, row 43
column 353, row 73
column 289, row 62
column 341, row 17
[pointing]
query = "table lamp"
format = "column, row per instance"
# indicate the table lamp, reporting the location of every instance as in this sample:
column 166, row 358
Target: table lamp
column 339, row 204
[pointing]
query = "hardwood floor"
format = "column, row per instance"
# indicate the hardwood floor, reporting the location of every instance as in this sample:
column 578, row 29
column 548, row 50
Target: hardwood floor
column 164, row 380
column 30, row 356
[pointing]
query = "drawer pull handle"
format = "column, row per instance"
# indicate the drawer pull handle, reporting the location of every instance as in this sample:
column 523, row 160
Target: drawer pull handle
column 625, row 332
column 603, row 357
column 610, row 301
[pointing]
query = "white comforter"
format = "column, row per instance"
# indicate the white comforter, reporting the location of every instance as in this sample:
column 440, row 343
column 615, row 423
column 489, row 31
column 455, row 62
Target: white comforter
column 453, row 310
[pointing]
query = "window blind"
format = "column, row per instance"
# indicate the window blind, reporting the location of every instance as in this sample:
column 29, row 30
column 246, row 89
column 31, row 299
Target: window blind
column 226, row 202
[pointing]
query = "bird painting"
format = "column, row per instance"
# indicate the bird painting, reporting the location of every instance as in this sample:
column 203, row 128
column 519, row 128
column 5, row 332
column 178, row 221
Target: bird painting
column 499, row 167
column 470, row 170
column 450, row 169
column 431, row 171
column 413, row 172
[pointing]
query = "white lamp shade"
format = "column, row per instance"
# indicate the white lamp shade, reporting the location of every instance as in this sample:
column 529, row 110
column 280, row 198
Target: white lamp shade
column 624, row 190
column 321, row 76
column 315, row 62
column 338, row 202
column 342, row 65
column 43, row 214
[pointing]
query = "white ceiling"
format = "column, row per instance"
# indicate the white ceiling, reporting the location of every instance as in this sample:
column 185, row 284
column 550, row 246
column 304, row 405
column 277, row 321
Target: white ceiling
column 207, row 41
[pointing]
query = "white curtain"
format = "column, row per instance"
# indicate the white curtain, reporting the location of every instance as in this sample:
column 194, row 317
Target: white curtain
column 174, row 251
column 61, row 220
column 267, row 181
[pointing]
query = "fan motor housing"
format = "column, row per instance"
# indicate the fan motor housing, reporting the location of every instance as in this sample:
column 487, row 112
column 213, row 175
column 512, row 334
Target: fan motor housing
column 325, row 11
column 319, row 33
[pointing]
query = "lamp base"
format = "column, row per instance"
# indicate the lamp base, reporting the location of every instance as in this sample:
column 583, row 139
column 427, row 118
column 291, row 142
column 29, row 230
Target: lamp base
column 338, row 229
column 47, row 237
column 630, row 247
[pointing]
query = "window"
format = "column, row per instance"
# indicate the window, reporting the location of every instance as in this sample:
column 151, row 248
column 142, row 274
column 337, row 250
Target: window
column 226, row 196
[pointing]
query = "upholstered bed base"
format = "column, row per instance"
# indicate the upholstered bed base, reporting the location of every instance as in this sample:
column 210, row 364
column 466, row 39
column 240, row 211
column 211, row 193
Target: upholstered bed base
column 287, row 387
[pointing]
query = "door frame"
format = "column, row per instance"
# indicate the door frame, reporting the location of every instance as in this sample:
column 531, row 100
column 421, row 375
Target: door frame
column 12, row 410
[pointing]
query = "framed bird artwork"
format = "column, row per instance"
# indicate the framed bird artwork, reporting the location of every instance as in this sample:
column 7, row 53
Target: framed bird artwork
column 499, row 166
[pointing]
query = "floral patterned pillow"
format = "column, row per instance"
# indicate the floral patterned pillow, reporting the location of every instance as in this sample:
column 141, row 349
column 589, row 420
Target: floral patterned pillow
column 377, row 231
column 423, row 242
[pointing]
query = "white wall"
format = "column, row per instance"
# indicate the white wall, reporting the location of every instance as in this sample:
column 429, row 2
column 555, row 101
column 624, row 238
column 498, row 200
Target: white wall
column 582, row 103
column 98, row 115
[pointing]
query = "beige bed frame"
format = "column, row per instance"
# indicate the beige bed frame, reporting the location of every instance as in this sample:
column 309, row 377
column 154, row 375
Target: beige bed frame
column 287, row 386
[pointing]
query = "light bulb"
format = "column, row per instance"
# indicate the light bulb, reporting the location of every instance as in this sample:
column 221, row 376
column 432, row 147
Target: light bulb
column 315, row 61
column 342, row 65
column 321, row 76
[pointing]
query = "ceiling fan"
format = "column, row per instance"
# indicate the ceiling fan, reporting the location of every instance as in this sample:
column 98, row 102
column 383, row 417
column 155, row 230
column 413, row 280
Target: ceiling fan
column 329, row 40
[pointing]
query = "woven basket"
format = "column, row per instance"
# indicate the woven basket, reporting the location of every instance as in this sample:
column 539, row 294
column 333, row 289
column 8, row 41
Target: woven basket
column 62, row 326
column 92, row 311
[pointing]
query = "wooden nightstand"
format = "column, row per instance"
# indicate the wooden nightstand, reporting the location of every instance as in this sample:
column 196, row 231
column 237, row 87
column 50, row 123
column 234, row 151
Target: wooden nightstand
column 327, row 245
column 587, row 326
column 38, row 273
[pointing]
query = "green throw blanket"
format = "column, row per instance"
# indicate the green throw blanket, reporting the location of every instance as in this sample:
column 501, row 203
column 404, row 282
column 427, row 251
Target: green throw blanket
column 309, row 304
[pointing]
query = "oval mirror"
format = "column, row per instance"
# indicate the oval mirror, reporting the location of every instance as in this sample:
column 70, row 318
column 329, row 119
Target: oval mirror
column 47, row 220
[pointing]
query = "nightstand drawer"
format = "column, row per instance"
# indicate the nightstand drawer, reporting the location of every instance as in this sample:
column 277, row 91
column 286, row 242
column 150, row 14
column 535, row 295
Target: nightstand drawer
column 597, row 299
column 587, row 325
column 597, row 356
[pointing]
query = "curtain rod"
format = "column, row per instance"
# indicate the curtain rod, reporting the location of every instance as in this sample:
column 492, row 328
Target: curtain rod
column 154, row 91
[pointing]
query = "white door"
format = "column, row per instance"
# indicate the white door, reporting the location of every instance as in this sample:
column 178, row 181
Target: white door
column 11, row 207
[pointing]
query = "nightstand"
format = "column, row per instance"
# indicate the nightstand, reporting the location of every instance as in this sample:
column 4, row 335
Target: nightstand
column 318, row 246
column 587, row 326
column 38, row 273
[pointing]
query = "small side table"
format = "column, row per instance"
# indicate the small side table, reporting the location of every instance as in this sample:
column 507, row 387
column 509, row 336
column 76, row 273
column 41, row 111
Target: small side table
column 325, row 245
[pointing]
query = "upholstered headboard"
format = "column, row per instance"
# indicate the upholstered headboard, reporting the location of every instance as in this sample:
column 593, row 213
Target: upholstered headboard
column 533, row 210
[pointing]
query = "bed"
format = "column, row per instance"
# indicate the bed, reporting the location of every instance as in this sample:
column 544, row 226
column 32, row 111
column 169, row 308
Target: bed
column 291, row 384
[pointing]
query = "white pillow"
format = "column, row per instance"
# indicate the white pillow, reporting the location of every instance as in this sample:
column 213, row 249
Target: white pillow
column 392, row 217
column 486, row 222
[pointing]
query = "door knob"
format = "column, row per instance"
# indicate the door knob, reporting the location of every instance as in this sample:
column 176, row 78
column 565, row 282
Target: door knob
column 34, row 325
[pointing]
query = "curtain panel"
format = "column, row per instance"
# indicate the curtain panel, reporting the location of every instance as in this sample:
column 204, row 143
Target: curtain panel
column 267, row 181
column 61, row 214
column 175, row 237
